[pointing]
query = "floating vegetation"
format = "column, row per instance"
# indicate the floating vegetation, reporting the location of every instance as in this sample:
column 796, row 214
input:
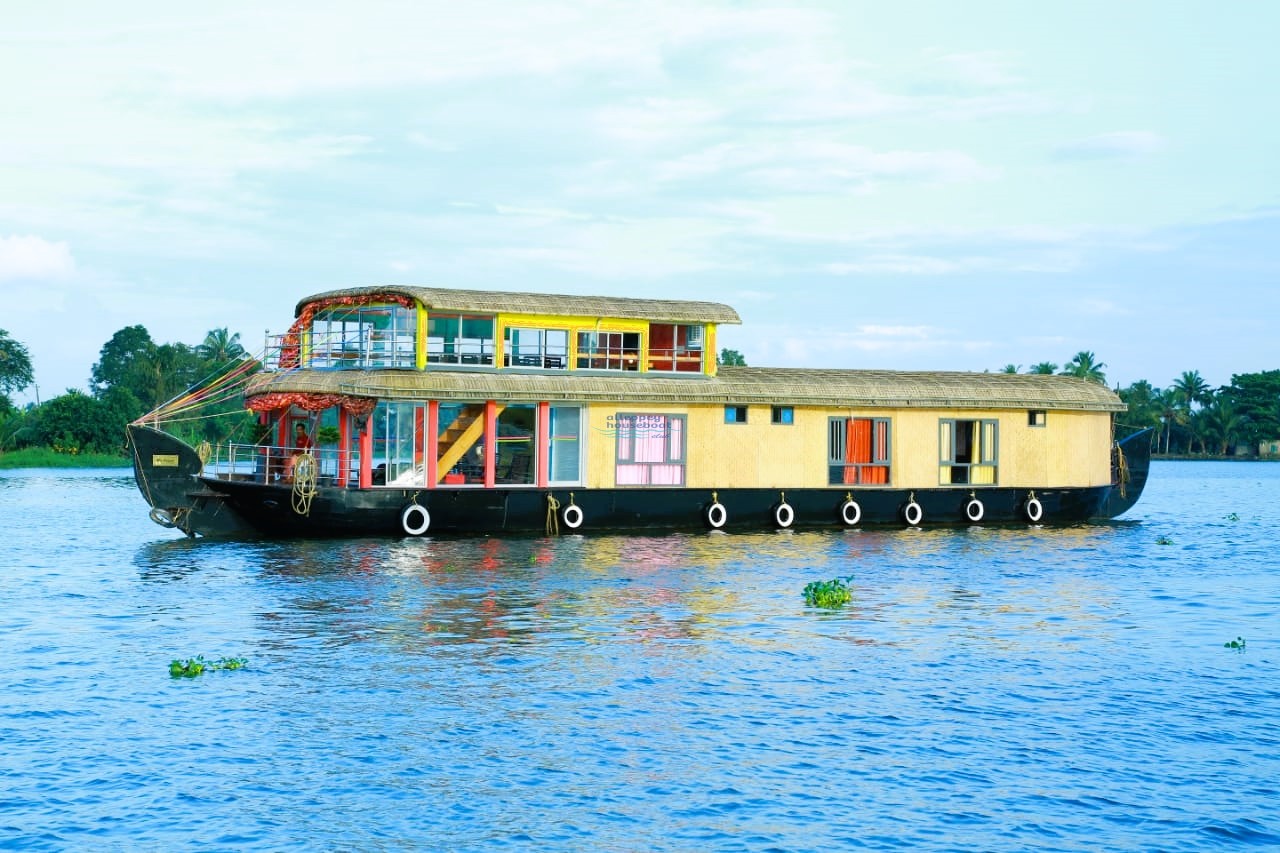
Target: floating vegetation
column 1232, row 516
column 1237, row 644
column 191, row 667
column 831, row 594
column 1164, row 540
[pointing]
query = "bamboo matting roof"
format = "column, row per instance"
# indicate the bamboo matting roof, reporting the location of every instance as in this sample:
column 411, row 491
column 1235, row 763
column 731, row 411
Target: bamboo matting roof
column 495, row 302
column 860, row 389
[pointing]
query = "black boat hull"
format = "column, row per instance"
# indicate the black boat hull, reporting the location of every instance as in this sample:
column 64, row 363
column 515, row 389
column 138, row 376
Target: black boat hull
column 336, row 512
column 218, row 506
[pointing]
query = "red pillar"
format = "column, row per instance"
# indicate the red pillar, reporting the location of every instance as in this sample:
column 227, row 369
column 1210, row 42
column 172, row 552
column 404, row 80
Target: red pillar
column 366, row 453
column 344, row 446
column 543, row 432
column 433, row 442
column 490, row 444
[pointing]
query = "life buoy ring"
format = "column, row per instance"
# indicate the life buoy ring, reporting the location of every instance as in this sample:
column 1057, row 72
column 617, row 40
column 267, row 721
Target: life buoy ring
column 716, row 516
column 912, row 513
column 850, row 513
column 572, row 516
column 1034, row 509
column 974, row 510
column 414, row 519
column 783, row 515
column 162, row 517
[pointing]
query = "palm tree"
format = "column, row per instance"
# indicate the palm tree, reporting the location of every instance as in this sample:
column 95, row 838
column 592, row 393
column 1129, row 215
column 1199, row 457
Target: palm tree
column 1044, row 368
column 220, row 347
column 1191, row 388
column 1171, row 413
column 1144, row 405
column 1011, row 368
column 1222, row 423
column 1085, row 366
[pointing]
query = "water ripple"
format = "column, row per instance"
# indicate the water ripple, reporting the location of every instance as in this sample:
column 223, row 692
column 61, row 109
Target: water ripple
column 988, row 688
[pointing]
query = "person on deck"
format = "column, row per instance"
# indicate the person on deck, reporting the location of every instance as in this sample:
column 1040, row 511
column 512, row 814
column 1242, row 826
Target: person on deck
column 301, row 444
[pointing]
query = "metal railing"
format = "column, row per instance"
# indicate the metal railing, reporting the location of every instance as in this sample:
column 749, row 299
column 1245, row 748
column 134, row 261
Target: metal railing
column 678, row 359
column 365, row 350
column 273, row 464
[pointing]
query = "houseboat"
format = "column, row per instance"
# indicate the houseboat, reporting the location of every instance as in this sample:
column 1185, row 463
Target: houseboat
column 411, row 411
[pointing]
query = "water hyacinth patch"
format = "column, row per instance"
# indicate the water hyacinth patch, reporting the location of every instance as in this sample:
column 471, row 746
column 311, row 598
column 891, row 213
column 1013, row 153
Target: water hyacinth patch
column 830, row 594
column 191, row 667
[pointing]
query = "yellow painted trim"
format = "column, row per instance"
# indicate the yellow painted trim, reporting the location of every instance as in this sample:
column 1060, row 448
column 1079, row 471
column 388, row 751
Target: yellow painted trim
column 420, row 339
column 709, row 349
column 578, row 323
column 573, row 325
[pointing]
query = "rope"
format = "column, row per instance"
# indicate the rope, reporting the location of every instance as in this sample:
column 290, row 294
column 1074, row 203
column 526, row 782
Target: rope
column 1122, row 470
column 553, row 516
column 304, row 482
column 215, row 388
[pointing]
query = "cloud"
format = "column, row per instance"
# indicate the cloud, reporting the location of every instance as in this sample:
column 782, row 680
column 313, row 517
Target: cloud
column 1123, row 144
column 984, row 69
column 1101, row 308
column 26, row 257
column 801, row 164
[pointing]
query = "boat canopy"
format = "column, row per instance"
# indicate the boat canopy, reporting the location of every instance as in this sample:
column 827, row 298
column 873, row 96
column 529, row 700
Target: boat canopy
column 863, row 389
column 500, row 302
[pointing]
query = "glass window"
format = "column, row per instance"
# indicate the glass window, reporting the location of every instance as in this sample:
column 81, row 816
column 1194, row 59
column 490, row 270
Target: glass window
column 514, row 465
column 398, row 442
column 650, row 450
column 858, row 451
column 609, row 350
column 460, row 443
column 1037, row 418
column 459, row 339
column 537, row 348
column 364, row 336
column 735, row 414
column 675, row 347
column 566, row 444
column 783, row 415
column 967, row 451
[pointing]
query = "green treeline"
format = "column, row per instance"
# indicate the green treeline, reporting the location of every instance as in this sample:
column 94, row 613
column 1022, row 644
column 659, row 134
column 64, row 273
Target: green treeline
column 1189, row 417
column 132, row 376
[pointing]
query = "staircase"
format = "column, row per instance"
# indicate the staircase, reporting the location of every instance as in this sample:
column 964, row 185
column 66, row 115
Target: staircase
column 459, row 437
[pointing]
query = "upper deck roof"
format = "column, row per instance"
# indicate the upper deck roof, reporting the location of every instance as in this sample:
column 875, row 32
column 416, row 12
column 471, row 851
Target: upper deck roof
column 861, row 389
column 507, row 302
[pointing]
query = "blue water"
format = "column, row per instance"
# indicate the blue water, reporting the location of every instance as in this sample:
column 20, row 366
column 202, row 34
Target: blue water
column 993, row 689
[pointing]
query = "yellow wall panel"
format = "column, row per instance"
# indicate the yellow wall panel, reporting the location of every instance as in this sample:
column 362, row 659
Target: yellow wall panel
column 1072, row 449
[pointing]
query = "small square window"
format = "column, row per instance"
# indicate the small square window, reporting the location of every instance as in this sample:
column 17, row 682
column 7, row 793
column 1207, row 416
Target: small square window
column 735, row 414
column 1037, row 418
column 783, row 415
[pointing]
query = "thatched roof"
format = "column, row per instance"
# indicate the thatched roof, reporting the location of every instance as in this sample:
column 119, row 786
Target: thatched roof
column 861, row 389
column 495, row 301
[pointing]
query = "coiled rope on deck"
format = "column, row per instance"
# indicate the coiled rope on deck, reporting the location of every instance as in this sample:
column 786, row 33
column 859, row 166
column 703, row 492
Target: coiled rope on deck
column 304, row 482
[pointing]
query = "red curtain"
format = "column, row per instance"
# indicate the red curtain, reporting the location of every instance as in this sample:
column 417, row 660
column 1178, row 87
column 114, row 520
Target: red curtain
column 866, row 441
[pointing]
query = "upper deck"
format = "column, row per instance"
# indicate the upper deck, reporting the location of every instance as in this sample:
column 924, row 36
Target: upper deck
column 418, row 328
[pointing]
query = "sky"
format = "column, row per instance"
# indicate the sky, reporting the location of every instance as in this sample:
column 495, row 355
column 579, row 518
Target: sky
column 909, row 185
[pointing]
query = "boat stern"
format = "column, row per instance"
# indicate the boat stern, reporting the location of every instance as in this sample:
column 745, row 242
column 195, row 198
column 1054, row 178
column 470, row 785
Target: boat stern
column 1131, row 463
